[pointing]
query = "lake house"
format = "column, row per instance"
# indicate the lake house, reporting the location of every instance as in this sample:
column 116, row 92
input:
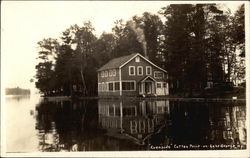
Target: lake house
column 132, row 75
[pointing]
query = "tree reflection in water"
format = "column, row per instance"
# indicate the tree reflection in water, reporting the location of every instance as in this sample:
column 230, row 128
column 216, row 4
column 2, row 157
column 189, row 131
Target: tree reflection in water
column 120, row 125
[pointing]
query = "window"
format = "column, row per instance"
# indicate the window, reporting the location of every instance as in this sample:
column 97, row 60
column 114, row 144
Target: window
column 131, row 70
column 114, row 72
column 105, row 87
column 164, row 84
column 129, row 86
column 133, row 127
column 137, row 59
column 111, row 86
column 158, row 74
column 111, row 111
column 158, row 85
column 99, row 87
column 110, row 73
column 102, row 73
column 129, row 111
column 106, row 74
column 117, row 86
column 148, row 70
column 117, row 111
column 139, row 70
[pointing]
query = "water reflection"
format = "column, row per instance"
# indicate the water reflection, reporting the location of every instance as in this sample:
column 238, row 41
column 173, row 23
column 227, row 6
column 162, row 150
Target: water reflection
column 227, row 125
column 73, row 126
column 18, row 98
column 21, row 135
column 134, row 120
column 104, row 125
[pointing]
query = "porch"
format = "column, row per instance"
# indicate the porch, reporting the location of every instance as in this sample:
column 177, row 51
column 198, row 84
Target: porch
column 148, row 86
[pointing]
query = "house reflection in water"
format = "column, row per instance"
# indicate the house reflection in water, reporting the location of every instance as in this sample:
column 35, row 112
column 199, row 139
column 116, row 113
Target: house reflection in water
column 134, row 120
column 228, row 125
column 124, row 125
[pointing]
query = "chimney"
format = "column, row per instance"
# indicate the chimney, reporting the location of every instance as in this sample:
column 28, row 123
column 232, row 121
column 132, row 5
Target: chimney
column 144, row 45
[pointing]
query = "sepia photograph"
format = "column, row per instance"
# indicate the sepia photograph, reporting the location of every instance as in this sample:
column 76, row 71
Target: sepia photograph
column 125, row 79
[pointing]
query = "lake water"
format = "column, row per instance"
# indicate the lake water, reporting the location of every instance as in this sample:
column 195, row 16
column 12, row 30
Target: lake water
column 121, row 125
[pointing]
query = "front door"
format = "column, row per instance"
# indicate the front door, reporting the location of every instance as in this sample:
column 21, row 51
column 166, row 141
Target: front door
column 148, row 87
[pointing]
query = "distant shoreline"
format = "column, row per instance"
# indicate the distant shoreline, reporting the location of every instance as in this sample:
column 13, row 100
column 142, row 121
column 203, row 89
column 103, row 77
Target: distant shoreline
column 17, row 91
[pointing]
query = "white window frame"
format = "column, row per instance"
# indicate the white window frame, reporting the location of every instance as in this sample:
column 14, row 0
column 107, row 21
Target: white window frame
column 165, row 84
column 110, row 73
column 112, row 86
column 139, row 71
column 158, row 72
column 114, row 72
column 129, row 81
column 137, row 59
column 102, row 73
column 118, row 84
column 147, row 73
column 130, row 72
column 99, row 87
column 103, row 87
column 106, row 73
column 160, row 84
column 133, row 127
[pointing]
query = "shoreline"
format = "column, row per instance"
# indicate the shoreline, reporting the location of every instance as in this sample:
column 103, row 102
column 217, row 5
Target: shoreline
column 68, row 98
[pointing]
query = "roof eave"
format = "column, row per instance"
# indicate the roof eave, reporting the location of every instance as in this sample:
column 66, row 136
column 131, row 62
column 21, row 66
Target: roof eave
column 128, row 60
column 145, row 59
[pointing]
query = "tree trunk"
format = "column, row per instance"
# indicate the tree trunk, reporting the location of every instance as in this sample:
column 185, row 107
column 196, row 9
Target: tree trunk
column 85, row 92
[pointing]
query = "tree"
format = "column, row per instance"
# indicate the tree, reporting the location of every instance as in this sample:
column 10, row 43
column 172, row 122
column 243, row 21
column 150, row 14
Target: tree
column 198, row 43
column 177, row 42
column 48, row 50
column 192, row 44
column 238, row 38
column 230, row 37
column 126, row 39
column 64, row 70
column 152, row 27
column 104, row 48
column 239, row 29
column 209, row 19
column 83, row 57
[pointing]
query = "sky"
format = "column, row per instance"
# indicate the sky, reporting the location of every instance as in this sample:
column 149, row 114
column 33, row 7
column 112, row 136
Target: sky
column 24, row 23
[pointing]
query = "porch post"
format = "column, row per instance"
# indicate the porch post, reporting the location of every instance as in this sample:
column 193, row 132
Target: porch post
column 120, row 81
column 121, row 116
column 143, row 87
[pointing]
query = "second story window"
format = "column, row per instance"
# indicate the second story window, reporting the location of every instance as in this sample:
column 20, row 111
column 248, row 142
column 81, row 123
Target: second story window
column 106, row 74
column 131, row 70
column 148, row 70
column 158, row 74
column 102, row 74
column 110, row 72
column 114, row 72
column 139, row 71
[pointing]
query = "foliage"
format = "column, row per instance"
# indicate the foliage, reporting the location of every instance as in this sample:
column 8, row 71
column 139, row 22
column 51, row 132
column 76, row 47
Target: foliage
column 195, row 43
column 199, row 45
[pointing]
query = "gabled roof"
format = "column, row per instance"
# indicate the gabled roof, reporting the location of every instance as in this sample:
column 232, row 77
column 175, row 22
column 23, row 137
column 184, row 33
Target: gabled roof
column 122, row 61
column 116, row 62
column 147, row 77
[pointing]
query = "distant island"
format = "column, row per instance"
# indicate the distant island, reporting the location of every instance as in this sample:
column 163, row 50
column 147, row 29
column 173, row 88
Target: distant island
column 17, row 91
